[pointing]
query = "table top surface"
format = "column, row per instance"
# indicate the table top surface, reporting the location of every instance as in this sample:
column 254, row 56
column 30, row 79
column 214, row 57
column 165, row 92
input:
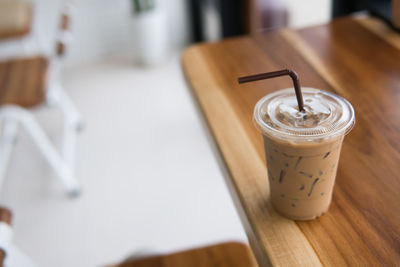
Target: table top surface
column 357, row 58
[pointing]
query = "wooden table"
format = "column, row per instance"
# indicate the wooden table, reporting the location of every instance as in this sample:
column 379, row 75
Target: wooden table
column 357, row 58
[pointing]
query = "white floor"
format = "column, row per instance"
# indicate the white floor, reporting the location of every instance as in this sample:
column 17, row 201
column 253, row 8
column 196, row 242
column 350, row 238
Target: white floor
column 150, row 178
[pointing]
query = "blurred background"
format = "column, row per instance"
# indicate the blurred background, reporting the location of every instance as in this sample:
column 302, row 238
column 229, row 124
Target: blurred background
column 103, row 29
column 150, row 182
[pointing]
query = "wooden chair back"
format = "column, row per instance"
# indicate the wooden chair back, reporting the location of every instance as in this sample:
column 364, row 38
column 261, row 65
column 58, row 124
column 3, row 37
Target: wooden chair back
column 25, row 81
column 64, row 30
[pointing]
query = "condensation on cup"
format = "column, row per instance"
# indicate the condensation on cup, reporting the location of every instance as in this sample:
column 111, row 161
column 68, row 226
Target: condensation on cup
column 302, row 149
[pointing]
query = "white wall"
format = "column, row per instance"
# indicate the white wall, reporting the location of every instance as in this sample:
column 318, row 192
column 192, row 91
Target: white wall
column 104, row 28
column 303, row 13
column 178, row 22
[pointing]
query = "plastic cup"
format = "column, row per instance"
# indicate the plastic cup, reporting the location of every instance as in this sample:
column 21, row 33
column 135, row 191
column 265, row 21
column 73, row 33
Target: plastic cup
column 302, row 153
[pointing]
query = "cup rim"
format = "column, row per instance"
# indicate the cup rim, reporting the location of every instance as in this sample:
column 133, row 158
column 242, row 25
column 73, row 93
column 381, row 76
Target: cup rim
column 267, row 129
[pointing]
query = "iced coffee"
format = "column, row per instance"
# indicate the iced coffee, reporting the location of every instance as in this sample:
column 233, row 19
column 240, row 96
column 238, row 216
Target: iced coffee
column 302, row 148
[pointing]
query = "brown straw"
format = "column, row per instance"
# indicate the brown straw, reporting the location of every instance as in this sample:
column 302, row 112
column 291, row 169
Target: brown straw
column 273, row 74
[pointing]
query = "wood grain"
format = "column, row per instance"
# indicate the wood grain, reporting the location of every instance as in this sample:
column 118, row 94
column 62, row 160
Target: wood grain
column 222, row 255
column 373, row 149
column 362, row 227
column 243, row 160
column 380, row 28
column 23, row 81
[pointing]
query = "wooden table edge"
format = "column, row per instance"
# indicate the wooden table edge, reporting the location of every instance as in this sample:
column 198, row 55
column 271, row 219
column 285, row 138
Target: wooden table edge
column 260, row 256
column 264, row 251
column 381, row 29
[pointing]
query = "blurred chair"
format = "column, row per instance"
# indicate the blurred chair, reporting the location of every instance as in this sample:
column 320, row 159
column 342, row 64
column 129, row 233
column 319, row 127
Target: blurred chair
column 28, row 82
column 232, row 254
column 15, row 18
column 19, row 31
column 10, row 255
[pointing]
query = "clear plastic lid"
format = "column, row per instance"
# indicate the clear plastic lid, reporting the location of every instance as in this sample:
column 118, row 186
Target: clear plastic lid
column 326, row 115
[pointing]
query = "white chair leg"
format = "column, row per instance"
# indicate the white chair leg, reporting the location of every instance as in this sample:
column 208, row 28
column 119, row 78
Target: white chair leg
column 13, row 256
column 57, row 97
column 72, row 121
column 7, row 139
column 58, row 164
column 52, row 156
column 6, row 234
column 69, row 143
column 18, row 258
